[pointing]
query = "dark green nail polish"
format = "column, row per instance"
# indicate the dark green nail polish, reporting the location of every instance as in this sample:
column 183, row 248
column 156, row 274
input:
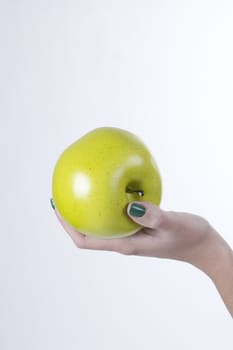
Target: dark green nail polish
column 137, row 210
column 52, row 203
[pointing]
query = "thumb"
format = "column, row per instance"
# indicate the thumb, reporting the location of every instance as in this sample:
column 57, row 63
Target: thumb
column 145, row 214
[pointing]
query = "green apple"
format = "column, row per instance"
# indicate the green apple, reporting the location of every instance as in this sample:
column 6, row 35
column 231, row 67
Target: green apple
column 98, row 175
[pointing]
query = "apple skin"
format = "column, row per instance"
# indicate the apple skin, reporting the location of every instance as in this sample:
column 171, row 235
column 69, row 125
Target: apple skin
column 91, row 178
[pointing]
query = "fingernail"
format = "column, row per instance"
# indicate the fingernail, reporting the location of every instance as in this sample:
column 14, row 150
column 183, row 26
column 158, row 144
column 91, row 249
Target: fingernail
column 137, row 210
column 52, row 203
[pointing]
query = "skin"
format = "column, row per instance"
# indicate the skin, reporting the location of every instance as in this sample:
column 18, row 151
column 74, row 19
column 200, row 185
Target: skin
column 172, row 235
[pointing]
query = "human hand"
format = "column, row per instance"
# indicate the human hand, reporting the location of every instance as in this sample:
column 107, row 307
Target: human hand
column 164, row 234
column 171, row 235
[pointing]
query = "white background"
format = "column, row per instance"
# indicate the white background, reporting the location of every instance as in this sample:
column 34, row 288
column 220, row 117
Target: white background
column 161, row 69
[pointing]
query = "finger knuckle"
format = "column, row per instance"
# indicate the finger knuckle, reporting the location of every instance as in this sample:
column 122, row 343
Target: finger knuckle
column 80, row 243
column 127, row 250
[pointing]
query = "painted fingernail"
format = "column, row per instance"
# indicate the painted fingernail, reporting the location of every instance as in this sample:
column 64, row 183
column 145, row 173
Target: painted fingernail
column 52, row 203
column 137, row 210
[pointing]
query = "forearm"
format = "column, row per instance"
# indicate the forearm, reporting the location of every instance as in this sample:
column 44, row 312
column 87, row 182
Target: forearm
column 223, row 279
column 217, row 262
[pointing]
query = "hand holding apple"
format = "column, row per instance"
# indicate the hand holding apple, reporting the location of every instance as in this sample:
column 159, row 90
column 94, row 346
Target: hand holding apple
column 93, row 182
column 98, row 175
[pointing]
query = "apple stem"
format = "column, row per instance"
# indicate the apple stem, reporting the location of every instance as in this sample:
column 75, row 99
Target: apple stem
column 139, row 192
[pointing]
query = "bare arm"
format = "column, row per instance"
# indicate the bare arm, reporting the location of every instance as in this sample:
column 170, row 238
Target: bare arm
column 171, row 235
column 220, row 269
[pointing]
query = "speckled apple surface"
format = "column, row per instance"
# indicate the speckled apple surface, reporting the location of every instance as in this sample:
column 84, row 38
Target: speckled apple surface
column 92, row 177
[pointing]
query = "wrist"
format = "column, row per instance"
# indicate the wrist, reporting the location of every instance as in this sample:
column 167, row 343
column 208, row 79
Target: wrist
column 215, row 256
